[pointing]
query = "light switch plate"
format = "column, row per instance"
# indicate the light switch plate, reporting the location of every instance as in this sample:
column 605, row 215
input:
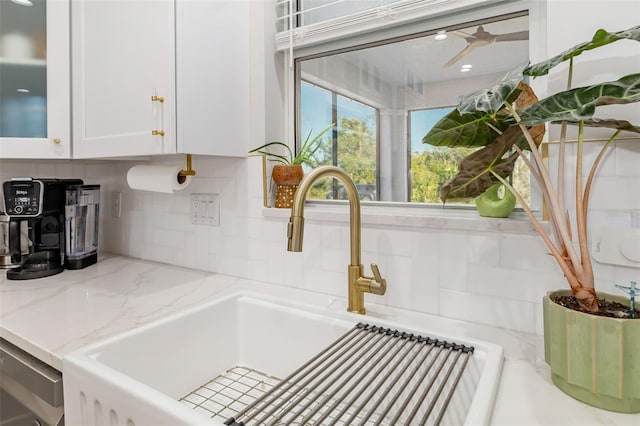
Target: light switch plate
column 205, row 209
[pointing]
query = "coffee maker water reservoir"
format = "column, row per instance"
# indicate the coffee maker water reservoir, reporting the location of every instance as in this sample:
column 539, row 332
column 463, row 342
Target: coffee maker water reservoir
column 82, row 210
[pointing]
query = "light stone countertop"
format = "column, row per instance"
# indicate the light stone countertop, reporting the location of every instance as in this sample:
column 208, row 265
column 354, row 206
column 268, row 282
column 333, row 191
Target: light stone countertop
column 53, row 316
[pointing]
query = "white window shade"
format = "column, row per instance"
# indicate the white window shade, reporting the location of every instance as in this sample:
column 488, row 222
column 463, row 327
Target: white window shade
column 319, row 21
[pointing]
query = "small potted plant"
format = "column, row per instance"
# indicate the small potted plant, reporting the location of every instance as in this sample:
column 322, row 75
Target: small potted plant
column 288, row 173
column 592, row 340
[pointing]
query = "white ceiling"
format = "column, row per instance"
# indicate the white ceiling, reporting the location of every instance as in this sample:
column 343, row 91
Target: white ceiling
column 424, row 57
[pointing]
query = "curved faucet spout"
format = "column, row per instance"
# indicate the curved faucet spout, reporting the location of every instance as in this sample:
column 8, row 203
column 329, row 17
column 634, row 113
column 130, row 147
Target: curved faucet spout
column 358, row 283
column 297, row 209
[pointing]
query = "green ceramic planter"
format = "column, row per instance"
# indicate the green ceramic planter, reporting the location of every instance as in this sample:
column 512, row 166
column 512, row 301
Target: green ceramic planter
column 594, row 359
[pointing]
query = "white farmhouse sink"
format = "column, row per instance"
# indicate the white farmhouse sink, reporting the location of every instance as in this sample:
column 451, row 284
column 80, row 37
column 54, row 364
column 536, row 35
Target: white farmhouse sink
column 140, row 376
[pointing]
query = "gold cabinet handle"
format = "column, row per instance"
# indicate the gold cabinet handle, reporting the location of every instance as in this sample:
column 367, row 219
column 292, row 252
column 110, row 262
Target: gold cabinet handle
column 157, row 99
column 56, row 141
column 157, row 132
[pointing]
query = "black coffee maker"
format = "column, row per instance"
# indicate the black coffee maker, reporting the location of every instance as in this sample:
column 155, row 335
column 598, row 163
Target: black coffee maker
column 41, row 203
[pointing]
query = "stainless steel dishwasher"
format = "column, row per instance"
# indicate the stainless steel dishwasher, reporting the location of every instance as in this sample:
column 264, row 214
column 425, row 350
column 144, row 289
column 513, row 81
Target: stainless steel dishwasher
column 30, row 390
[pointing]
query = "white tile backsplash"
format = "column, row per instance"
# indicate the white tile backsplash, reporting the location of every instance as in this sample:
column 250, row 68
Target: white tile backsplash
column 525, row 252
column 452, row 260
column 483, row 248
column 424, row 272
column 399, row 286
column 513, row 314
column 627, row 158
column 497, row 278
column 515, row 284
column 626, row 195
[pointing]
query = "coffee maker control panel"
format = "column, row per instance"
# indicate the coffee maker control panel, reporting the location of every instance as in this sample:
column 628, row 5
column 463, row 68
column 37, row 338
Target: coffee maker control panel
column 23, row 198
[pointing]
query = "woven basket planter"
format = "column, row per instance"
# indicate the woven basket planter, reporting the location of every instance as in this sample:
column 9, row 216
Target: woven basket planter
column 287, row 178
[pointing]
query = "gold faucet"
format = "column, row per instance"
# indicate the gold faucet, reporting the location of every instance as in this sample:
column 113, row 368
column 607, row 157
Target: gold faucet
column 358, row 283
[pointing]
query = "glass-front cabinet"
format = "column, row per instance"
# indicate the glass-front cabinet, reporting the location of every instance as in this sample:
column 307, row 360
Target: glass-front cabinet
column 34, row 79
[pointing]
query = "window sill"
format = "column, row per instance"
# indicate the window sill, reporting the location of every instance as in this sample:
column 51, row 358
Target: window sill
column 411, row 217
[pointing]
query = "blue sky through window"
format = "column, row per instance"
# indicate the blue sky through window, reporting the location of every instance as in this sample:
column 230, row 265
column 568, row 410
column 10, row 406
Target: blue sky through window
column 316, row 106
column 421, row 122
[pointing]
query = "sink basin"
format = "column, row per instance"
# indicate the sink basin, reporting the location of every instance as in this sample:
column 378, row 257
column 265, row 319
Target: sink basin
column 154, row 374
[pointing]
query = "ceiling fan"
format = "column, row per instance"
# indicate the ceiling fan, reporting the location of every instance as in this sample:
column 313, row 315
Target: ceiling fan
column 482, row 38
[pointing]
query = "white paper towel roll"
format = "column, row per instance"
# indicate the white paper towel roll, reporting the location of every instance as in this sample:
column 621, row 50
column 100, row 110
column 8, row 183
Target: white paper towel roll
column 157, row 178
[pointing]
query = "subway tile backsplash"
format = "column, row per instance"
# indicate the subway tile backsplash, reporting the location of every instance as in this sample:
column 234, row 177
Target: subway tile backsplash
column 493, row 278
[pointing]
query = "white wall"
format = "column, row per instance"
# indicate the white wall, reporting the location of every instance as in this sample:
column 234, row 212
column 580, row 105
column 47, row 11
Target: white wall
column 496, row 278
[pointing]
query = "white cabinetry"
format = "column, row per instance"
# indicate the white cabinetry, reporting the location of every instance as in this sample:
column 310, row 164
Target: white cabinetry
column 213, row 53
column 34, row 80
column 192, row 57
column 122, row 55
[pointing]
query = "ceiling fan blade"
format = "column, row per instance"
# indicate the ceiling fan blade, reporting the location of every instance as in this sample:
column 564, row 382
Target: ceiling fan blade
column 483, row 38
column 521, row 35
column 461, row 34
column 464, row 52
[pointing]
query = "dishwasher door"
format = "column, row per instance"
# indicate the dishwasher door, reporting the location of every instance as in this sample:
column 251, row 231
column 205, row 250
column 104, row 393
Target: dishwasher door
column 30, row 390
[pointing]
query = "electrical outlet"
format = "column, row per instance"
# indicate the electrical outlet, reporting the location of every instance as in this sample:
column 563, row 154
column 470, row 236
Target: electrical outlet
column 205, row 209
column 116, row 204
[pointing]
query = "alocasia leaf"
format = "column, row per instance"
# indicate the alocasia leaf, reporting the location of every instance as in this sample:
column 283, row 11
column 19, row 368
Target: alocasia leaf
column 600, row 38
column 610, row 123
column 480, row 118
column 492, row 99
column 475, row 171
column 580, row 103
column 462, row 130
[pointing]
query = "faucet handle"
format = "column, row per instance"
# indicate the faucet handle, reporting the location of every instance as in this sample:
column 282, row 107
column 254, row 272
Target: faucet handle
column 376, row 272
column 378, row 285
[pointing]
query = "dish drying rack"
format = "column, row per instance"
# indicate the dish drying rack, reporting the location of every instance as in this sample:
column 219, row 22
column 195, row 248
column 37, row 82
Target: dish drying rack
column 369, row 376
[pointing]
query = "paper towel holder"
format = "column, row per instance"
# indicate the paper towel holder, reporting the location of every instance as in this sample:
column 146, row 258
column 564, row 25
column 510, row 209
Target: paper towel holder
column 182, row 176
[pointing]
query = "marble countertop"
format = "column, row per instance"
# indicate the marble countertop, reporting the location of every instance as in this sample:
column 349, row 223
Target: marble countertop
column 53, row 316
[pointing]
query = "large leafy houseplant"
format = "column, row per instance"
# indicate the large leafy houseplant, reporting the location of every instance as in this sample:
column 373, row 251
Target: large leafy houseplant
column 499, row 121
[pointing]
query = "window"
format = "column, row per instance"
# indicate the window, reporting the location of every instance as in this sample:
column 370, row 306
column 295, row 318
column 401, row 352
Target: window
column 387, row 90
column 353, row 146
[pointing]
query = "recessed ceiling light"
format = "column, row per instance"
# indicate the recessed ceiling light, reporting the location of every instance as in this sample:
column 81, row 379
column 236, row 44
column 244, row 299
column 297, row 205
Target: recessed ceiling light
column 442, row 35
column 465, row 69
column 23, row 2
column 22, row 90
column 468, row 66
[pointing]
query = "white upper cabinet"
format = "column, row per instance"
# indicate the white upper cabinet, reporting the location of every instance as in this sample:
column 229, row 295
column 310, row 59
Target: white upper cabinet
column 122, row 57
column 34, row 79
column 160, row 77
column 213, row 53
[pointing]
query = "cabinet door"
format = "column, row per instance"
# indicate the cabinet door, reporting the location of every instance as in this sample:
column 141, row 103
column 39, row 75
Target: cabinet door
column 34, row 80
column 122, row 59
column 213, row 54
